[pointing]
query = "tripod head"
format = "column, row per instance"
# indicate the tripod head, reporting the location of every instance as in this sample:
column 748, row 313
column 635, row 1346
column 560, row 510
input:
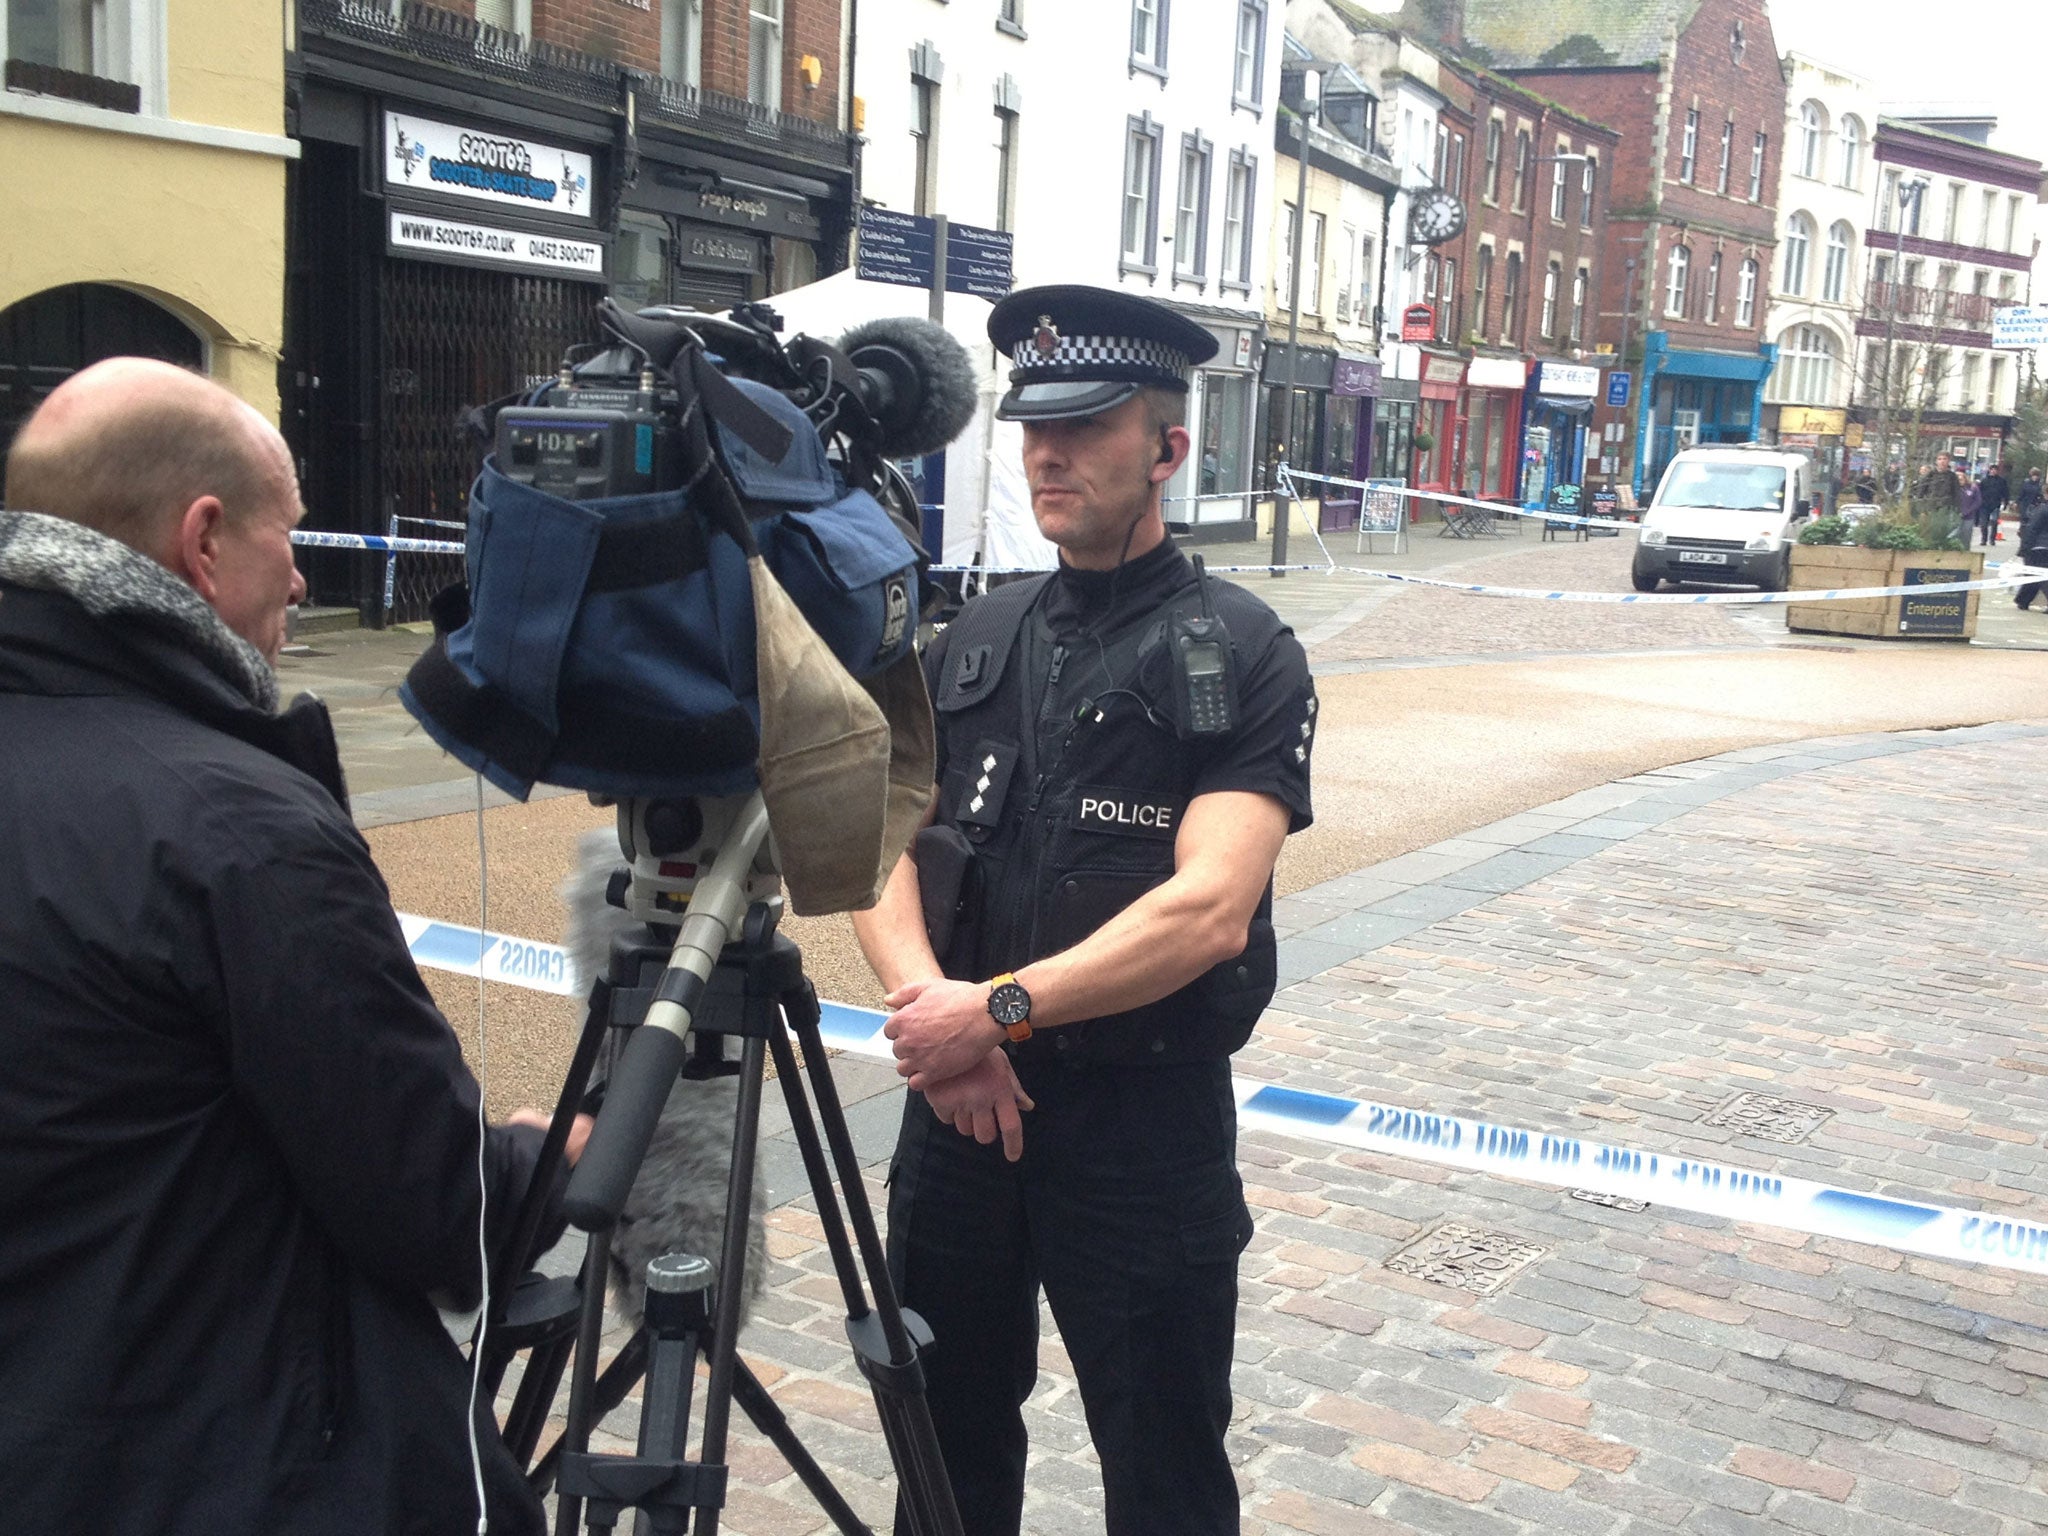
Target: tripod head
column 675, row 844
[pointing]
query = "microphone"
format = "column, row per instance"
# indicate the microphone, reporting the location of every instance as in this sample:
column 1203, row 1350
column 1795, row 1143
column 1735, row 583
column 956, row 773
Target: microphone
column 916, row 382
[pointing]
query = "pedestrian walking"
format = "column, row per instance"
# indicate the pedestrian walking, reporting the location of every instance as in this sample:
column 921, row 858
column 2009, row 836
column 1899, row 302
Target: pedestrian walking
column 1969, row 505
column 1938, row 489
column 2030, row 494
column 2033, row 550
column 1995, row 491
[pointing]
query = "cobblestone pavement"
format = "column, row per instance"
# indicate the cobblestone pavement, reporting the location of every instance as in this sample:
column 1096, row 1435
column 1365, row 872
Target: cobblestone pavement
column 1854, row 925
column 1419, row 621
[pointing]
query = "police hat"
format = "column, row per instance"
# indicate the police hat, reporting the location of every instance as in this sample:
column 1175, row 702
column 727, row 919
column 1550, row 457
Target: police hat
column 1079, row 350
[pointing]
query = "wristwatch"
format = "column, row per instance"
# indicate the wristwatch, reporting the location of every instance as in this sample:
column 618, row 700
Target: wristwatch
column 1010, row 1006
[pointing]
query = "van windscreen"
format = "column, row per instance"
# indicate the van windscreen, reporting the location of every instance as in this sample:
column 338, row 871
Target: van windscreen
column 1729, row 486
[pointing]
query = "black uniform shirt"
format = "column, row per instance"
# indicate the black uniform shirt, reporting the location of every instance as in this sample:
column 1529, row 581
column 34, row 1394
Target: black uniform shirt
column 1268, row 752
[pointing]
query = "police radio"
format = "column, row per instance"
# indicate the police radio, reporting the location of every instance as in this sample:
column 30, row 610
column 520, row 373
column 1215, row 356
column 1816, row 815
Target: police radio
column 1201, row 680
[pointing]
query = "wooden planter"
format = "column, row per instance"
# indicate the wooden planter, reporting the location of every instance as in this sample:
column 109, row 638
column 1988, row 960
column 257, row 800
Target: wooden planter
column 1940, row 616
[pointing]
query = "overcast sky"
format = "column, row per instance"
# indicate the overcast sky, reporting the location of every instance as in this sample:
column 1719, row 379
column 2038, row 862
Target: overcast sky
column 1979, row 53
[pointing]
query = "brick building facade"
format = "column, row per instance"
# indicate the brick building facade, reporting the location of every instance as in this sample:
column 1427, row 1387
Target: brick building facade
column 474, row 177
column 1694, row 91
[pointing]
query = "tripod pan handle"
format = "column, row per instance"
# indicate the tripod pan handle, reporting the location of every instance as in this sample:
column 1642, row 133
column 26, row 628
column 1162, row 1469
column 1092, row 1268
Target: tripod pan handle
column 633, row 1101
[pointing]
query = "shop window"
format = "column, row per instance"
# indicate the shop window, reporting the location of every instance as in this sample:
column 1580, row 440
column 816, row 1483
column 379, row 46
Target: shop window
column 641, row 258
column 1226, row 407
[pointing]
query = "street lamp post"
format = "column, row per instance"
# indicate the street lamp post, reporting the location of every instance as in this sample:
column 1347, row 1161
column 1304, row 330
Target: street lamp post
column 1913, row 186
column 1283, row 507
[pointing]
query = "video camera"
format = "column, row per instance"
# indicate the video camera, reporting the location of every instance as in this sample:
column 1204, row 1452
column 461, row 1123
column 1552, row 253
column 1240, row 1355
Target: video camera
column 605, row 640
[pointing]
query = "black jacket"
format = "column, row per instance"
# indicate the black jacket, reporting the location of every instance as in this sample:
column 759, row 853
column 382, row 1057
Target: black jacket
column 2034, row 530
column 238, row 1145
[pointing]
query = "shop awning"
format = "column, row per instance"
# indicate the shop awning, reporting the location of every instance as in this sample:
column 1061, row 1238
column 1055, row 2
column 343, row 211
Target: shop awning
column 1572, row 406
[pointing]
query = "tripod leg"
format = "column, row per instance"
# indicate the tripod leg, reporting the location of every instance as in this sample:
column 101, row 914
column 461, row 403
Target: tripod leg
column 768, row 1418
column 627, row 1367
column 805, row 1129
column 583, row 1378
column 890, row 1361
column 732, row 1260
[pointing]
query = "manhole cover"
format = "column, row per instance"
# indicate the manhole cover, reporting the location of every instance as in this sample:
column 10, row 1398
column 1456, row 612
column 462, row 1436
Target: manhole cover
column 1466, row 1258
column 1769, row 1118
column 1612, row 1202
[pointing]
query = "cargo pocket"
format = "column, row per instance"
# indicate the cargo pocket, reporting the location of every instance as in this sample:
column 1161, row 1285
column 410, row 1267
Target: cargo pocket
column 1218, row 1239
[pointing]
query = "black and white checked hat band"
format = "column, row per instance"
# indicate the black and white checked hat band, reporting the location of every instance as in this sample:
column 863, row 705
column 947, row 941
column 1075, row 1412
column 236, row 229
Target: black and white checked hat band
column 1092, row 352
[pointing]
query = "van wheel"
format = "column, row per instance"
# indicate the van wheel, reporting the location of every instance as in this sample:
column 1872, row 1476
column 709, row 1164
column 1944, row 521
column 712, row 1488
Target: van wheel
column 1781, row 577
column 1642, row 581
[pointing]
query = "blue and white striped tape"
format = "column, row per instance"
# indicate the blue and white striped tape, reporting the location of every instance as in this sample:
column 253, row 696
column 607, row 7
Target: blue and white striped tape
column 1449, row 1141
column 377, row 542
column 1288, row 476
column 2011, row 574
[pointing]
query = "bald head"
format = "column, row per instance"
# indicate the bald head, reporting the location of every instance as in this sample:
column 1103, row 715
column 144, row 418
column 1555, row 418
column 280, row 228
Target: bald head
column 128, row 444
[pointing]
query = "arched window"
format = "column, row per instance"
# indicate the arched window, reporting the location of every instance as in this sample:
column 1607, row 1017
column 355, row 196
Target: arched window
column 49, row 336
column 1677, row 282
column 1745, row 294
column 1850, row 137
column 1834, row 277
column 1813, row 124
column 1806, row 366
column 1798, row 248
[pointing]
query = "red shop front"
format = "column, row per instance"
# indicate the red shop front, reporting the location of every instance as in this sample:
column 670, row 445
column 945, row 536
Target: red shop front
column 1490, row 406
column 1438, row 423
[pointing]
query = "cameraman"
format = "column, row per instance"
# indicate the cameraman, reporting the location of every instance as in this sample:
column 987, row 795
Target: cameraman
column 1110, row 856
column 238, row 1146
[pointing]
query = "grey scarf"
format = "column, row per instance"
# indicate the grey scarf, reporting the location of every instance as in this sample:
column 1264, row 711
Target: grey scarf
column 111, row 581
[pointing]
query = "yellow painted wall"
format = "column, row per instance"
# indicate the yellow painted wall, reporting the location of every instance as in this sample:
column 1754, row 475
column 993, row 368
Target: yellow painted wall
column 197, row 229
column 227, row 63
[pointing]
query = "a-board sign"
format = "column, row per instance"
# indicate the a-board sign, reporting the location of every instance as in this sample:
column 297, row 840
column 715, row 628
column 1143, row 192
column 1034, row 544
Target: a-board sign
column 1379, row 508
column 1603, row 504
column 1564, row 497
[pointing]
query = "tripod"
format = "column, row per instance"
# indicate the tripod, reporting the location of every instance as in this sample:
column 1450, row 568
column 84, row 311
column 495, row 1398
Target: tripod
column 686, row 984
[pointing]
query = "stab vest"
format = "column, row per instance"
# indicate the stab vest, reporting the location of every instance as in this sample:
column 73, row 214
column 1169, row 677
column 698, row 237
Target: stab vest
column 1071, row 800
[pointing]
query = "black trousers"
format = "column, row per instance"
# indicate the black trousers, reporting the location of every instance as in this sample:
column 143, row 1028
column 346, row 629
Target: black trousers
column 1128, row 1210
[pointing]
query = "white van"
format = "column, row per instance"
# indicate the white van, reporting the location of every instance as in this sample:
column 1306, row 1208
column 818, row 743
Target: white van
column 1725, row 515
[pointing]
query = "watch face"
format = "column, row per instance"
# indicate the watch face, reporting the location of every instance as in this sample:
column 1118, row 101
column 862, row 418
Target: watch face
column 1435, row 216
column 1009, row 1004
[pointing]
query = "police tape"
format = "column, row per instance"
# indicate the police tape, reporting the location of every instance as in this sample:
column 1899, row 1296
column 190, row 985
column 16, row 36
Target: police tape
column 1549, row 1158
column 1287, row 477
column 376, row 542
column 2010, row 574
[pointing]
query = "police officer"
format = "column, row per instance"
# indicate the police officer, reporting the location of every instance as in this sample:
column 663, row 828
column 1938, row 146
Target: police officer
column 1081, row 938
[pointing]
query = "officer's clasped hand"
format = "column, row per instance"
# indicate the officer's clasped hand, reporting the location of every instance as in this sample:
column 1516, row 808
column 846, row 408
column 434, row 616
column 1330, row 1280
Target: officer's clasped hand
column 984, row 1102
column 940, row 1028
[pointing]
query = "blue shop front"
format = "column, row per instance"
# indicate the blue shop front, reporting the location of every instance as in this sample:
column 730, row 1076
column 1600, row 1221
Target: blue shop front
column 1558, row 412
column 1695, row 399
